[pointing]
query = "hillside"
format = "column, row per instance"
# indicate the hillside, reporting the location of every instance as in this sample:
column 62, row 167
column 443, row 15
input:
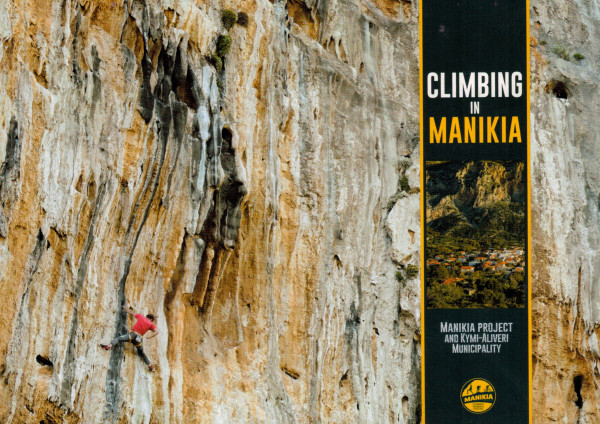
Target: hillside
column 475, row 205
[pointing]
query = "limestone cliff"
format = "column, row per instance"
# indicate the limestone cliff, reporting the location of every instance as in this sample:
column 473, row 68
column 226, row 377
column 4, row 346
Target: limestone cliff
column 565, row 85
column 257, row 189
column 240, row 196
column 467, row 188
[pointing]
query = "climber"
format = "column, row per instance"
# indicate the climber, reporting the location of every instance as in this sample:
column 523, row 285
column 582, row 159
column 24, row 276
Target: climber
column 142, row 325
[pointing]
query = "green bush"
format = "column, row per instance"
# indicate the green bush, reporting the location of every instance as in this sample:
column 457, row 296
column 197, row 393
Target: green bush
column 228, row 17
column 561, row 52
column 216, row 61
column 543, row 43
column 404, row 183
column 578, row 57
column 400, row 277
column 412, row 271
column 242, row 19
column 223, row 45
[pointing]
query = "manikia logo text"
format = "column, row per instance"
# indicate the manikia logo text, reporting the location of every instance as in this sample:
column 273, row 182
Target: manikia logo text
column 478, row 395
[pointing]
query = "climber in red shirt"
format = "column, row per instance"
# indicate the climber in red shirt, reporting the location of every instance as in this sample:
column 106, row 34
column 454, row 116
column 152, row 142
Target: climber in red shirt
column 141, row 327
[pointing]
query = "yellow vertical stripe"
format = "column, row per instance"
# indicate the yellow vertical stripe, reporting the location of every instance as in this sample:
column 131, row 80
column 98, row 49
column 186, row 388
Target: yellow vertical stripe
column 422, row 208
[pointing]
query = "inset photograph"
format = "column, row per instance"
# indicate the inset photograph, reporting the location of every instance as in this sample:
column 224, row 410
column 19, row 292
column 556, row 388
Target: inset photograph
column 475, row 234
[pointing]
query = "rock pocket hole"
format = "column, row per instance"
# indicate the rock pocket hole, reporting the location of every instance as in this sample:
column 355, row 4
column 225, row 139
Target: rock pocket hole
column 293, row 374
column 405, row 407
column 558, row 89
column 226, row 134
column 577, row 382
column 42, row 360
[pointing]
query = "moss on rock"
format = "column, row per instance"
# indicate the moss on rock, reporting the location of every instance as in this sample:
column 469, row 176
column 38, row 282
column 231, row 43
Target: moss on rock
column 228, row 17
column 223, row 45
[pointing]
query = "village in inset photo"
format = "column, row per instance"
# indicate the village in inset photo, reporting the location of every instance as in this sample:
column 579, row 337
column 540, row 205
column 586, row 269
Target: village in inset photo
column 475, row 234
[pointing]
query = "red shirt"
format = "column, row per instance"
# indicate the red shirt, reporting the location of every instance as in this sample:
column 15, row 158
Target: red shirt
column 143, row 324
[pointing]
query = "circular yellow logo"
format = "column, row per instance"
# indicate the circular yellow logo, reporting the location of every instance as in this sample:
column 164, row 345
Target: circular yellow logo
column 478, row 395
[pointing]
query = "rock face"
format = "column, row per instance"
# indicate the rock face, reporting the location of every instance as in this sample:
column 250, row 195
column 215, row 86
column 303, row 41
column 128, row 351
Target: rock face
column 242, row 200
column 466, row 190
column 565, row 210
column 263, row 204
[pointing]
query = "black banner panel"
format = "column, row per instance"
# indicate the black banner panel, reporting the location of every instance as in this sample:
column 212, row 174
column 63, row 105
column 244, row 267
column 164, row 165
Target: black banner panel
column 476, row 295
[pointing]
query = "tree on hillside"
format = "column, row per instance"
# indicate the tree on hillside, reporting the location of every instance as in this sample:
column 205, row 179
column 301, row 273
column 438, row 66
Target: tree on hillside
column 444, row 296
column 438, row 272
